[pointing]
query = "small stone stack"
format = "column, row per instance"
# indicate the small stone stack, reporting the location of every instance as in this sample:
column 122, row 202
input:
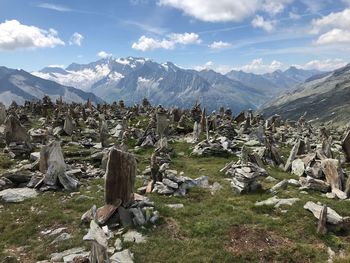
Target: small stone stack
column 227, row 131
column 214, row 147
column 16, row 137
column 177, row 185
column 244, row 177
column 122, row 206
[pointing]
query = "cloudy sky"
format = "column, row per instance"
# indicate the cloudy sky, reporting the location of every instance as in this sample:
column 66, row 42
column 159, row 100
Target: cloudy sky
column 253, row 35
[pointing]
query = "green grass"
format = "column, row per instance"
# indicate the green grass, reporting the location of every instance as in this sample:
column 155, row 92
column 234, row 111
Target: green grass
column 200, row 232
column 5, row 162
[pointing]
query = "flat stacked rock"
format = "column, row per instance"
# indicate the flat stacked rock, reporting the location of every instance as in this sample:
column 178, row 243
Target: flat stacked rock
column 214, row 147
column 244, row 177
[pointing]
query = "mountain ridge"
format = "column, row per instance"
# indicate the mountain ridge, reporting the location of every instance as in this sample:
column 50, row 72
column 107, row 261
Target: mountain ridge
column 132, row 78
column 323, row 98
column 20, row 85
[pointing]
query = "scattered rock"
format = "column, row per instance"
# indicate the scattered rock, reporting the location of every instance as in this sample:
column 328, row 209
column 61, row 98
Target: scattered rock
column 17, row 195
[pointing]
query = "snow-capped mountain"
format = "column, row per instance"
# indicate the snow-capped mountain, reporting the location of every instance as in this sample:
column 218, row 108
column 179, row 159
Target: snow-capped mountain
column 19, row 86
column 131, row 79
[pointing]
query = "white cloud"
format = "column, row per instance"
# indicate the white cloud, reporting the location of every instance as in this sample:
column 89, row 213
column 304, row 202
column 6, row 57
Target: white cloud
column 185, row 38
column 207, row 65
column 215, row 11
column 333, row 20
column 335, row 36
column 76, row 39
column 324, row 65
column 219, row 45
column 260, row 22
column 274, row 7
column 59, row 8
column 146, row 43
column 257, row 66
column 104, row 54
column 14, row 35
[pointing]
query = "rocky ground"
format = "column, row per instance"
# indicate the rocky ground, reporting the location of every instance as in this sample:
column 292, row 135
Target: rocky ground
column 172, row 185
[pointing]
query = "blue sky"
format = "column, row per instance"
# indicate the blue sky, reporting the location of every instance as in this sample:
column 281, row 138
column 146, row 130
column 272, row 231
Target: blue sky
column 253, row 35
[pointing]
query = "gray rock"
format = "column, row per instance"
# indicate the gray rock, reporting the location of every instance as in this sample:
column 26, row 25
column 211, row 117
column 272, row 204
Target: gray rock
column 124, row 256
column 68, row 126
column 175, row 206
column 118, row 244
column 155, row 217
column 138, row 219
column 332, row 216
column 162, row 189
column 333, row 173
column 134, row 236
column 215, row 188
column 34, row 156
column 298, row 167
column 125, row 217
column 16, row 195
column 57, row 257
column 277, row 202
column 70, row 258
column 281, row 185
column 62, row 237
column 5, row 183
column 2, row 113
column 270, row 179
column 294, row 182
column 339, row 193
column 202, row 182
column 292, row 155
column 170, row 183
column 314, row 184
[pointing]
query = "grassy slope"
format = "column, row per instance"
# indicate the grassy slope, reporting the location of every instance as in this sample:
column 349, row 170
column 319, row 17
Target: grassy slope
column 200, row 232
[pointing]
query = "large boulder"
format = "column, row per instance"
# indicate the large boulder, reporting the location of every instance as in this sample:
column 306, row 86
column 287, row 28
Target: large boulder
column 14, row 131
column 120, row 177
column 346, row 145
column 2, row 113
column 53, row 165
column 17, row 195
column 333, row 173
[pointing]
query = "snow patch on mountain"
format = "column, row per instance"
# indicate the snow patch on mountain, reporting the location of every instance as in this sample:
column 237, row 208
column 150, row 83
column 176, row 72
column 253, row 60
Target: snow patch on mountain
column 82, row 79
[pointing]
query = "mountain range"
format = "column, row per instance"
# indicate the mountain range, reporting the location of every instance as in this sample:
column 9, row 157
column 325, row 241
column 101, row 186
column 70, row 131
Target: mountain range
column 322, row 97
column 19, row 85
column 132, row 79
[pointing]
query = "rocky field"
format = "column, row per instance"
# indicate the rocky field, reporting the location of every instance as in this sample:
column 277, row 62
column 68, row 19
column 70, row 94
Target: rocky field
column 108, row 183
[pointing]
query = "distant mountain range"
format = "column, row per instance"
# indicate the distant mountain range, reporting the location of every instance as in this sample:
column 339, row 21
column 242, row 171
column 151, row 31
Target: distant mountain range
column 132, row 79
column 323, row 97
column 19, row 85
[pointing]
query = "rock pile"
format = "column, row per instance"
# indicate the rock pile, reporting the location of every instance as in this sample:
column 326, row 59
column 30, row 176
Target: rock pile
column 244, row 177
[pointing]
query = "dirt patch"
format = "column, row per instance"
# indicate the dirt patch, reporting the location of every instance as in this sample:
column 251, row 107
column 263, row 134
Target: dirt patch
column 247, row 239
column 173, row 228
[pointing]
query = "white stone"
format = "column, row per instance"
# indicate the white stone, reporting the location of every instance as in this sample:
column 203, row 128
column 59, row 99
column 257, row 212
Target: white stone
column 134, row 236
column 124, row 256
column 298, row 167
column 16, row 195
